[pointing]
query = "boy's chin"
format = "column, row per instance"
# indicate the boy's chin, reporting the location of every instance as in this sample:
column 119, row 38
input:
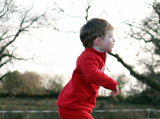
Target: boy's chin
column 109, row 50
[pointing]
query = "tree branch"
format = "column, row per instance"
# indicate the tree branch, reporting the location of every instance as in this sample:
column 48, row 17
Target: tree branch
column 87, row 10
column 4, row 63
column 144, row 79
column 25, row 17
column 3, row 34
column 5, row 8
column 21, row 29
column 1, row 77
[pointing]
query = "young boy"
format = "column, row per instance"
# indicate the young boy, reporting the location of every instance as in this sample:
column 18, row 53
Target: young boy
column 78, row 97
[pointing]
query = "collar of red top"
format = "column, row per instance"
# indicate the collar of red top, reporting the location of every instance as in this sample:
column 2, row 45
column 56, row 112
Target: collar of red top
column 101, row 54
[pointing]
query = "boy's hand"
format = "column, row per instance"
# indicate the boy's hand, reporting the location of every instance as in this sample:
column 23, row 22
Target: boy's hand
column 115, row 92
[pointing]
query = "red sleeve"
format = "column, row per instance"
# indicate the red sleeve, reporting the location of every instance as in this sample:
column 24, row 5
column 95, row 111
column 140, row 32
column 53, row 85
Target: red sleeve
column 89, row 67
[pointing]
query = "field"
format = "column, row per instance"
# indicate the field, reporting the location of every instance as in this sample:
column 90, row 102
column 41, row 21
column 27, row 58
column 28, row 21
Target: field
column 12, row 104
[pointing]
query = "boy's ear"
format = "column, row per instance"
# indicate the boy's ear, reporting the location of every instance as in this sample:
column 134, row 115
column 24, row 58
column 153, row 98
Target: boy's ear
column 97, row 41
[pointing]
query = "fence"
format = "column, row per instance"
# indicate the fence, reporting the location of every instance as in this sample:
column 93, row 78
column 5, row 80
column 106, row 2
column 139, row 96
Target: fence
column 123, row 110
column 129, row 110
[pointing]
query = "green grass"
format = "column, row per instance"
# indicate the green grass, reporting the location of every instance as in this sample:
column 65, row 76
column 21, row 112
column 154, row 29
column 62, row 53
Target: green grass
column 12, row 104
column 29, row 116
column 27, row 104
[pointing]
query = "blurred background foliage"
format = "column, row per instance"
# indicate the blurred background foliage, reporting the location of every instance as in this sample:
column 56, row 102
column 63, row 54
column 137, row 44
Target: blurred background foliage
column 30, row 83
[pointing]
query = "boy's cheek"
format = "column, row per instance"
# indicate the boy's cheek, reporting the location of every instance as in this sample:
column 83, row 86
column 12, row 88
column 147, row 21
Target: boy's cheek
column 109, row 44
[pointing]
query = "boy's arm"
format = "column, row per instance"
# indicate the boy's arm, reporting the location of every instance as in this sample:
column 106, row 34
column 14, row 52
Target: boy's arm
column 89, row 68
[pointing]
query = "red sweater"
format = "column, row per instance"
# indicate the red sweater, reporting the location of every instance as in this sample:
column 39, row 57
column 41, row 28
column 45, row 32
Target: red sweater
column 82, row 89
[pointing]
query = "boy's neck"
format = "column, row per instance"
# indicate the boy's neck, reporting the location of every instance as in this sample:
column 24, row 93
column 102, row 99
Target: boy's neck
column 97, row 49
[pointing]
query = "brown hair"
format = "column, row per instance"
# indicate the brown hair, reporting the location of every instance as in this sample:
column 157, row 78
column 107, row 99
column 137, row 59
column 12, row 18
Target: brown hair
column 94, row 28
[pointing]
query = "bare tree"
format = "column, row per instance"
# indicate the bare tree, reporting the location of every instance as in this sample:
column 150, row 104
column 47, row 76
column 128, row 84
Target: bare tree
column 148, row 32
column 16, row 21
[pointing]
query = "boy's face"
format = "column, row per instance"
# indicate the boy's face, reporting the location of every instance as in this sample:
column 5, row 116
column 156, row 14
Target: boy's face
column 108, row 42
